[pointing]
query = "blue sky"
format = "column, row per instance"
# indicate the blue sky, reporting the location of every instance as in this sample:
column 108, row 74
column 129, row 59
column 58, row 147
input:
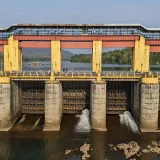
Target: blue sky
column 144, row 12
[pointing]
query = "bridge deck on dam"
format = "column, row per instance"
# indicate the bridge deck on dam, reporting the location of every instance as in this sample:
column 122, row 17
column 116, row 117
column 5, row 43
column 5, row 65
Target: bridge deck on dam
column 117, row 75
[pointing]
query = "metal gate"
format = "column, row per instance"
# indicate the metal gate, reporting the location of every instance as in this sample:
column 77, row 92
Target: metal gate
column 76, row 96
column 118, row 98
column 33, row 96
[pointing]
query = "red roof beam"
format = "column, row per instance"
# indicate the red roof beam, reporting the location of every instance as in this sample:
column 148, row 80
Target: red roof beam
column 35, row 44
column 118, row 44
column 76, row 38
column 1, row 48
column 77, row 45
column 154, row 49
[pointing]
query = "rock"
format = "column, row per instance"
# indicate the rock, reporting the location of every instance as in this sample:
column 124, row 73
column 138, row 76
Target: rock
column 114, row 148
column 84, row 157
column 149, row 146
column 155, row 150
column 154, row 143
column 68, row 151
column 158, row 143
column 84, row 149
column 144, row 150
column 122, row 146
column 129, row 149
column 110, row 145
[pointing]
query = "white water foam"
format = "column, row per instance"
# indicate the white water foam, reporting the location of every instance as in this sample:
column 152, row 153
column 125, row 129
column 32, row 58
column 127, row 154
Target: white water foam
column 127, row 120
column 22, row 119
column 83, row 124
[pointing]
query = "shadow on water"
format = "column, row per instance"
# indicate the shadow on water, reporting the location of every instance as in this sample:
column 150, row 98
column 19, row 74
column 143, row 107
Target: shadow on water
column 22, row 143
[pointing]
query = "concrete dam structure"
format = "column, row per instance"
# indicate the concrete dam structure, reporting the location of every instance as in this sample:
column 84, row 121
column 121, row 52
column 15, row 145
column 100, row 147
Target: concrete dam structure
column 56, row 93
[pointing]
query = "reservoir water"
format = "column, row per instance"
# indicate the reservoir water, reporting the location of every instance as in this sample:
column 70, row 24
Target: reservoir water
column 27, row 141
column 45, row 65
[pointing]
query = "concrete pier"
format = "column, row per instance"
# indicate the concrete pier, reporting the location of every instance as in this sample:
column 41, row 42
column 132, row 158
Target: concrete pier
column 136, row 102
column 98, row 106
column 53, row 105
column 5, row 107
column 9, row 104
column 149, row 101
column 16, row 99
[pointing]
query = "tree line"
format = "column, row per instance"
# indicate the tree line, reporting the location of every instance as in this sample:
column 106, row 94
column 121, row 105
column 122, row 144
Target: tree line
column 120, row 56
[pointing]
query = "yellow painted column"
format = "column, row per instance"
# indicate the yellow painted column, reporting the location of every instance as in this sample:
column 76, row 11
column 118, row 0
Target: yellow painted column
column 55, row 56
column 97, row 56
column 12, row 56
column 140, row 56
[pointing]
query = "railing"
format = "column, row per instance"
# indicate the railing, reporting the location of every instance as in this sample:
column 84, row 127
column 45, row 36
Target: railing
column 79, row 75
column 80, row 32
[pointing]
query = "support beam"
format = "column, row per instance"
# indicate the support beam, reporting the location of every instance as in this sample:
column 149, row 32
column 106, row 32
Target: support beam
column 84, row 45
column 55, row 56
column 97, row 56
column 32, row 44
column 12, row 56
column 76, row 38
column 1, row 48
column 118, row 44
column 53, row 105
column 154, row 49
column 149, row 102
column 98, row 106
column 140, row 56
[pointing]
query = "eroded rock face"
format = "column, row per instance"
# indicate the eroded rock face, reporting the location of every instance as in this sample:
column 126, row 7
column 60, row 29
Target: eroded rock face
column 154, row 148
column 132, row 148
column 129, row 149
column 84, row 149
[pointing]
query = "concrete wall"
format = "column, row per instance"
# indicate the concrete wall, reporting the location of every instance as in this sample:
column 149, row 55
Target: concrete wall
column 9, row 105
column 149, row 95
column 136, row 102
column 53, row 105
column 5, row 107
column 98, row 106
column 15, row 100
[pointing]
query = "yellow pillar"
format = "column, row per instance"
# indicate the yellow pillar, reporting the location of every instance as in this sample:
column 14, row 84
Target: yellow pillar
column 140, row 56
column 12, row 56
column 97, row 56
column 55, row 56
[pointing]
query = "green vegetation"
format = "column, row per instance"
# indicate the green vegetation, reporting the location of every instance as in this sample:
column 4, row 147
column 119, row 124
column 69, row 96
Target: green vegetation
column 33, row 58
column 123, row 56
column 26, row 58
column 155, row 58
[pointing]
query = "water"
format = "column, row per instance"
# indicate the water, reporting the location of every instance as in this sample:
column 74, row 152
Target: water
column 127, row 120
column 83, row 124
column 71, row 66
column 25, row 142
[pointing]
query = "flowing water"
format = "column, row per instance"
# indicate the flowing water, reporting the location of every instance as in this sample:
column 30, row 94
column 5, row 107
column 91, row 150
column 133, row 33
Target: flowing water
column 83, row 124
column 127, row 120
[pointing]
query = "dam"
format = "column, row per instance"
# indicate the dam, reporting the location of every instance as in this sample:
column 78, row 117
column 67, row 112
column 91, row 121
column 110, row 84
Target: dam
column 55, row 93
